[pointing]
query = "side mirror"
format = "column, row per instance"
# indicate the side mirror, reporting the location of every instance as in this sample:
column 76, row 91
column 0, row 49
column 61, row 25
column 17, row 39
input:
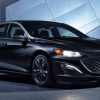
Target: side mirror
column 25, row 41
column 19, row 34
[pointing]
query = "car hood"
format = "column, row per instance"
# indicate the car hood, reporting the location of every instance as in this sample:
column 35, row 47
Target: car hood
column 86, row 44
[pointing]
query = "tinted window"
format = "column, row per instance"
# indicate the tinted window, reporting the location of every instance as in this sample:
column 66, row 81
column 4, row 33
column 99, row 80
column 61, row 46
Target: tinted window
column 39, row 30
column 55, row 30
column 49, row 32
column 13, row 29
column 2, row 30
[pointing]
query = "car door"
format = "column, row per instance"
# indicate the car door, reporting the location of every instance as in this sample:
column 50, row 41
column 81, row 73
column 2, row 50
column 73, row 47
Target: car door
column 3, row 44
column 15, row 55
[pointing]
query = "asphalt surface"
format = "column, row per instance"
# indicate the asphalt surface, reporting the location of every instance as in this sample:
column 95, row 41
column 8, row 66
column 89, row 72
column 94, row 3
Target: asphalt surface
column 25, row 89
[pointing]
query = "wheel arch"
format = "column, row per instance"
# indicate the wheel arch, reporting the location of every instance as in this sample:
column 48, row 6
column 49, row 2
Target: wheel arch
column 42, row 52
column 45, row 54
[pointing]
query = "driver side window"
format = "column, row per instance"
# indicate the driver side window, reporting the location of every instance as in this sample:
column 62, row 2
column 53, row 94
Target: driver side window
column 13, row 29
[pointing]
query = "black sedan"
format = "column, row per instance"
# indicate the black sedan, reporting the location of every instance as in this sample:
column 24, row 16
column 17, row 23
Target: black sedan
column 49, row 52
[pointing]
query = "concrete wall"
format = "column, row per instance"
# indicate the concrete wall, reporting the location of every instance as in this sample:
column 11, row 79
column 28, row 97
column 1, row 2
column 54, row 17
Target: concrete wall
column 3, row 5
column 81, row 14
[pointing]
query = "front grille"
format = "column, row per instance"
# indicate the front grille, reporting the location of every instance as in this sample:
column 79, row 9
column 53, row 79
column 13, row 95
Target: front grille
column 92, row 65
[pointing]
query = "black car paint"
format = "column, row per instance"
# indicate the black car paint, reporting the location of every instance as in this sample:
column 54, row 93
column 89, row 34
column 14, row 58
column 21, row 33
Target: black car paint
column 16, row 55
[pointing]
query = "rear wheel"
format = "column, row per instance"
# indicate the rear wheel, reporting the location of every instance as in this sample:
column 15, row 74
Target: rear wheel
column 41, row 71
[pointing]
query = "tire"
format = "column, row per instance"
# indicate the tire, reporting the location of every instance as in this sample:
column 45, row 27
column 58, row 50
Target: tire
column 41, row 71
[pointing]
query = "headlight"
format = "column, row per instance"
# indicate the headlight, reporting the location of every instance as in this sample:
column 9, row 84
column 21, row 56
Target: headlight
column 67, row 53
column 71, row 54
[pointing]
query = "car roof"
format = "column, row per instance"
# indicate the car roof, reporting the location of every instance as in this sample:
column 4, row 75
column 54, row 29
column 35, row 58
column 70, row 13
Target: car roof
column 34, row 21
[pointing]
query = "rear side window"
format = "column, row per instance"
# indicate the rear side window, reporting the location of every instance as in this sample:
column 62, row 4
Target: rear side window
column 2, row 30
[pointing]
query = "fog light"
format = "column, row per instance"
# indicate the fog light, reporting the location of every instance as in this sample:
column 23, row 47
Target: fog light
column 70, row 67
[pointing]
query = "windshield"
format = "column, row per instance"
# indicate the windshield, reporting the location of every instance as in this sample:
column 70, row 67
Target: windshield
column 52, row 30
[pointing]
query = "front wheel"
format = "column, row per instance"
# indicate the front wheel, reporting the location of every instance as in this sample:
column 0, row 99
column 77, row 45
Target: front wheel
column 41, row 70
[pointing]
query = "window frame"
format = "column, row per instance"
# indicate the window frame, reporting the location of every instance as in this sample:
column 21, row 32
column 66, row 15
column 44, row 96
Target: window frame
column 9, row 31
column 67, row 30
column 5, row 31
column 71, row 29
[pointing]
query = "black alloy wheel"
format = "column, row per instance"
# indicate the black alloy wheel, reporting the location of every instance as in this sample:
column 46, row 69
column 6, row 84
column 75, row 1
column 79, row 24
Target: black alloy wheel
column 41, row 70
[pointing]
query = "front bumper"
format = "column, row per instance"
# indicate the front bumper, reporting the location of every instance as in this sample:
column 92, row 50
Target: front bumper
column 70, row 75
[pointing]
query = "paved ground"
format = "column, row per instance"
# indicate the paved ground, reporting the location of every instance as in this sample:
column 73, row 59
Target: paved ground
column 12, row 89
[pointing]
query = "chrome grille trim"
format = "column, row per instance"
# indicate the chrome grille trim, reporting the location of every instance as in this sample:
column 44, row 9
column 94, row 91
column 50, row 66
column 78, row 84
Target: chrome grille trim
column 92, row 65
